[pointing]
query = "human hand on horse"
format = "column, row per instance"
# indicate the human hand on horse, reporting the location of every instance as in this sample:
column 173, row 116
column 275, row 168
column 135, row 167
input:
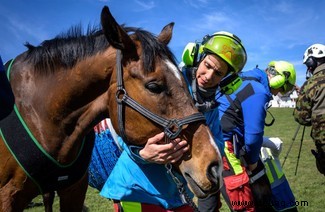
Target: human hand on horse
column 157, row 151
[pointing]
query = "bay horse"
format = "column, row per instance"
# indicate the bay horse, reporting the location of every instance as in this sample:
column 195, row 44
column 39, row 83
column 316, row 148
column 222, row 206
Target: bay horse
column 67, row 85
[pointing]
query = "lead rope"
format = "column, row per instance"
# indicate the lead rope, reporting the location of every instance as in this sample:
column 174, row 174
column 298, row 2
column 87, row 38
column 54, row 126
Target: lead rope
column 181, row 189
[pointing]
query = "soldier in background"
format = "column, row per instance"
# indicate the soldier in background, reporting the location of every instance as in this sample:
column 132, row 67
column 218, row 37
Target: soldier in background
column 310, row 106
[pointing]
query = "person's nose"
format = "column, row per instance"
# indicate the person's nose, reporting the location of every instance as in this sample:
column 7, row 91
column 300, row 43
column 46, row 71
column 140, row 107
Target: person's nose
column 208, row 74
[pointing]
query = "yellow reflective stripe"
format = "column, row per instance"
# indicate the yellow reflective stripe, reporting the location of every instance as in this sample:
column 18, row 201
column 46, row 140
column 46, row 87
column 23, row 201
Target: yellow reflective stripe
column 277, row 170
column 273, row 169
column 268, row 171
column 234, row 161
column 131, row 206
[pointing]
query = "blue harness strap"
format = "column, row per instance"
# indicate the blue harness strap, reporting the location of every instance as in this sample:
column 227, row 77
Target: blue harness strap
column 39, row 166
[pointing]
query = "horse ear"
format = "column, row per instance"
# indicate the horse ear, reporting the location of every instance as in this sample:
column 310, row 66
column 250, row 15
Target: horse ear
column 166, row 33
column 115, row 34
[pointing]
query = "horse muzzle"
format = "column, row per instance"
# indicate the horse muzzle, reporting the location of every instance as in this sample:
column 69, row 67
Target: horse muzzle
column 210, row 183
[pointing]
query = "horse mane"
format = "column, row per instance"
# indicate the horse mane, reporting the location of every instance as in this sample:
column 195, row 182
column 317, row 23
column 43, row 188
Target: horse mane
column 66, row 49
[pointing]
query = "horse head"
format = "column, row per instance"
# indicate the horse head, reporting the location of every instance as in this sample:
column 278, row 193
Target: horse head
column 151, row 96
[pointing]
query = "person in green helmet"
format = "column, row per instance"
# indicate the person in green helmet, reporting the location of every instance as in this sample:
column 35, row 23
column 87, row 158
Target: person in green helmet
column 242, row 117
column 219, row 56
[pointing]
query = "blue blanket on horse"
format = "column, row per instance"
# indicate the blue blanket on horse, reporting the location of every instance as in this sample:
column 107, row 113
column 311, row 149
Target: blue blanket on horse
column 104, row 157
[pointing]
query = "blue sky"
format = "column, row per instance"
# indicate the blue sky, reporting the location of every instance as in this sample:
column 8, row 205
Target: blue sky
column 269, row 29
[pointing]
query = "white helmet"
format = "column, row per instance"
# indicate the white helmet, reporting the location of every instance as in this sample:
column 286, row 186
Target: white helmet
column 315, row 50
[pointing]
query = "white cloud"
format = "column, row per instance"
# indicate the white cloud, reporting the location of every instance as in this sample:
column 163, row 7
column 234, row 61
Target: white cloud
column 210, row 23
column 23, row 29
column 195, row 3
column 283, row 7
column 145, row 5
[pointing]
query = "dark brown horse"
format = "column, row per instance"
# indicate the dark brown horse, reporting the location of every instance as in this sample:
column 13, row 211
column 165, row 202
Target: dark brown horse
column 65, row 86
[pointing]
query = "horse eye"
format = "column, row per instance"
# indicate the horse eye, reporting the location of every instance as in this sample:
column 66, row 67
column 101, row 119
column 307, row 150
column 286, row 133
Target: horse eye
column 154, row 87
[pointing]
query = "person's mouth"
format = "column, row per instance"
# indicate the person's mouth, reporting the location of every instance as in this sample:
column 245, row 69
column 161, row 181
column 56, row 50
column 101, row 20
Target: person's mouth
column 203, row 81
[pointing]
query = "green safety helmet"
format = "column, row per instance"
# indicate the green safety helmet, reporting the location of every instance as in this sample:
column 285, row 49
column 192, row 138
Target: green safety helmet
column 228, row 47
column 283, row 75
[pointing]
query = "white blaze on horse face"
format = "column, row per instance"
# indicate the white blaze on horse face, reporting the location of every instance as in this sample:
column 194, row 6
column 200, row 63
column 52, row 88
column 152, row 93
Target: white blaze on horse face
column 213, row 143
column 174, row 69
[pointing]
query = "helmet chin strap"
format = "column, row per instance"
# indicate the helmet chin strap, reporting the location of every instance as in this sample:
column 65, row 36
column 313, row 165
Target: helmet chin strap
column 308, row 73
column 311, row 64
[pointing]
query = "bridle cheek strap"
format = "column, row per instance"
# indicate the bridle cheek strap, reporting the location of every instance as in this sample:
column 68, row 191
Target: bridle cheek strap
column 172, row 127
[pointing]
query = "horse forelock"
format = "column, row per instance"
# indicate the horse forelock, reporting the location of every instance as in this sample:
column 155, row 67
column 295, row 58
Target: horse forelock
column 152, row 49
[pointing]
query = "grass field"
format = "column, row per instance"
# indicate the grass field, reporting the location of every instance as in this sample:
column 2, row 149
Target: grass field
column 308, row 184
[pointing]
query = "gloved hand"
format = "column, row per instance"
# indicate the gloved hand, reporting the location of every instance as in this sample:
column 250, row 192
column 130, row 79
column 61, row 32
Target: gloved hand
column 320, row 161
column 206, row 106
column 253, row 166
column 274, row 143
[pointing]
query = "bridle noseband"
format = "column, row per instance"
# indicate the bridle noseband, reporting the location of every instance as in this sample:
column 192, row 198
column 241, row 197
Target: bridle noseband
column 172, row 127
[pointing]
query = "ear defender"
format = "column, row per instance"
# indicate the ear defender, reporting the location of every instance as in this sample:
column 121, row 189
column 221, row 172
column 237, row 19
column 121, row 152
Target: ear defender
column 277, row 81
column 230, row 84
column 281, row 74
column 190, row 54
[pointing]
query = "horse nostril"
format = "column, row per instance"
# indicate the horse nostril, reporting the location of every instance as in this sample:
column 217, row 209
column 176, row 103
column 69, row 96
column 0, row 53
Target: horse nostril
column 214, row 173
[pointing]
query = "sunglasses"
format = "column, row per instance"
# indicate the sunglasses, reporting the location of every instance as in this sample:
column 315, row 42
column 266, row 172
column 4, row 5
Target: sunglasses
column 272, row 71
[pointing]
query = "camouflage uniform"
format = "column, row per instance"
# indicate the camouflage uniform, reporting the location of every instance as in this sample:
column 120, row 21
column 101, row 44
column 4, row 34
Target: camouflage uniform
column 310, row 111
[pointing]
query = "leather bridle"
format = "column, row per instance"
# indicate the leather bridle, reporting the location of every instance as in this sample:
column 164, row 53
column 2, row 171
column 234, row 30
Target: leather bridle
column 172, row 127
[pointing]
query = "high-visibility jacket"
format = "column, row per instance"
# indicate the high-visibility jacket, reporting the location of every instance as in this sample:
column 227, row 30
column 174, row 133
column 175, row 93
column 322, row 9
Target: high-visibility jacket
column 282, row 196
column 233, row 162
column 273, row 167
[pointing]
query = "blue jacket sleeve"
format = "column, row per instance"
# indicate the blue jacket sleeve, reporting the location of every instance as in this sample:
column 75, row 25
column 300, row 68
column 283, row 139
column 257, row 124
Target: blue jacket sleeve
column 132, row 151
column 254, row 124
